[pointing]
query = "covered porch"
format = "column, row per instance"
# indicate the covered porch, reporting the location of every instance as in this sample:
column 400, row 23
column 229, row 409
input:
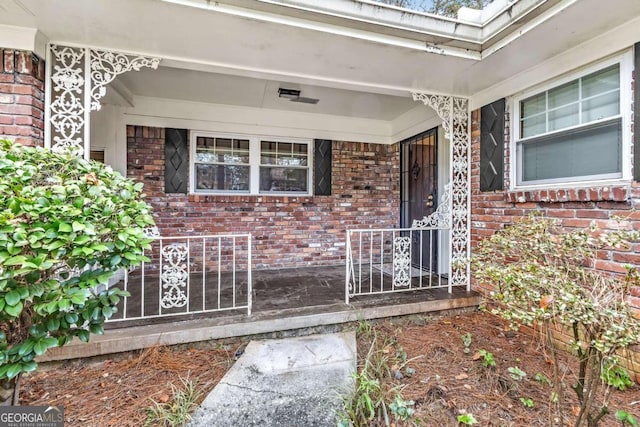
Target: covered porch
column 201, row 127
column 285, row 300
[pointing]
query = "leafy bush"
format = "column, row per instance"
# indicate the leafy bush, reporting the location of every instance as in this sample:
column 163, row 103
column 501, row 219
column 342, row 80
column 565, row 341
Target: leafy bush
column 66, row 225
column 542, row 276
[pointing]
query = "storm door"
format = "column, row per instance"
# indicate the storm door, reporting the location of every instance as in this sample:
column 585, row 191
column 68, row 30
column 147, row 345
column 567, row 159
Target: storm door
column 418, row 198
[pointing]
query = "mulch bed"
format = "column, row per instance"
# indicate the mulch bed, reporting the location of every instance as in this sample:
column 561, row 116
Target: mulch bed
column 118, row 391
column 446, row 381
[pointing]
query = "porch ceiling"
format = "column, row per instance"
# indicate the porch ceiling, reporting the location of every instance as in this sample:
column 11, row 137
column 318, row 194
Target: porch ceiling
column 310, row 49
column 216, row 88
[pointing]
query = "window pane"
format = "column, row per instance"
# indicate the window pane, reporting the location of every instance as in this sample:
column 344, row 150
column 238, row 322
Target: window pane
column 593, row 151
column 268, row 146
column 268, row 158
column 283, row 154
column 292, row 161
column 222, row 150
column 533, row 126
column 240, row 145
column 299, row 149
column 274, row 179
column 202, row 142
column 222, row 177
column 223, row 144
column 563, row 95
column 564, row 117
column 285, row 148
column 533, row 105
column 213, row 157
column 602, row 81
column 601, row 107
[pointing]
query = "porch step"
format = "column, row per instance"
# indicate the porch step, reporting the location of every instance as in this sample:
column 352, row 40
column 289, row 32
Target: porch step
column 285, row 382
column 175, row 332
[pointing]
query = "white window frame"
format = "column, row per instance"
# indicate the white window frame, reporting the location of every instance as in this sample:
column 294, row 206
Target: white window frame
column 254, row 164
column 625, row 62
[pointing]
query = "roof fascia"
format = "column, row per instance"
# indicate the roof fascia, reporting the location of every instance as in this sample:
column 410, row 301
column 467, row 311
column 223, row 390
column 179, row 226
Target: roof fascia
column 373, row 21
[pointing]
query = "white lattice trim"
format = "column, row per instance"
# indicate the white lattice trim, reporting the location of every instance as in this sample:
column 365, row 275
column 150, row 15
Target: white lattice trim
column 401, row 262
column 78, row 79
column 107, row 65
column 454, row 113
column 441, row 218
column 174, row 275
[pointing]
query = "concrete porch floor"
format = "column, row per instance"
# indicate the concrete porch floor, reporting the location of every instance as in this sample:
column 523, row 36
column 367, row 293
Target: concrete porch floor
column 283, row 300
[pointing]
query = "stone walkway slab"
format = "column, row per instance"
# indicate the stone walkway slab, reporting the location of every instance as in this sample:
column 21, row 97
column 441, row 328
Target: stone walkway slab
column 289, row 382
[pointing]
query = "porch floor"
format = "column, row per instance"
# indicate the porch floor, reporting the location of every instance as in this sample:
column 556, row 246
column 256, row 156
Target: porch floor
column 283, row 299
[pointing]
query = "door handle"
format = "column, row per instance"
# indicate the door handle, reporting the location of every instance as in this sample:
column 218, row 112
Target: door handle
column 430, row 200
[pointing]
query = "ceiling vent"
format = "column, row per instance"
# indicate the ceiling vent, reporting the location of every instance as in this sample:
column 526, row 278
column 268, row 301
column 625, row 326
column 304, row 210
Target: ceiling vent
column 293, row 95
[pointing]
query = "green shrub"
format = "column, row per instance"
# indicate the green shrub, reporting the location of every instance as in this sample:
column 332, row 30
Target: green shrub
column 66, row 225
column 542, row 276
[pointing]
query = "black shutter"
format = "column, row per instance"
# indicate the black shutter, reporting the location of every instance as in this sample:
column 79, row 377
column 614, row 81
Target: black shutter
column 492, row 146
column 176, row 159
column 636, row 116
column 322, row 167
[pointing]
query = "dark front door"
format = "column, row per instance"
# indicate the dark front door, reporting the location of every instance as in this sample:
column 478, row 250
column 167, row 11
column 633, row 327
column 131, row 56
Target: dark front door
column 418, row 198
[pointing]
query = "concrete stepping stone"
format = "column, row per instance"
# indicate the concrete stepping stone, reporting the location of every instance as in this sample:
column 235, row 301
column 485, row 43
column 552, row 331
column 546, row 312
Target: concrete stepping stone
column 290, row 382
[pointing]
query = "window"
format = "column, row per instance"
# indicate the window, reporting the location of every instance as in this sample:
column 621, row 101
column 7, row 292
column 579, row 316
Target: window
column 574, row 131
column 228, row 164
column 283, row 167
column 222, row 164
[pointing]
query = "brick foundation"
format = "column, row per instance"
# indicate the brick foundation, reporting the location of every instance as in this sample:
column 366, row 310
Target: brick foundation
column 21, row 97
column 287, row 231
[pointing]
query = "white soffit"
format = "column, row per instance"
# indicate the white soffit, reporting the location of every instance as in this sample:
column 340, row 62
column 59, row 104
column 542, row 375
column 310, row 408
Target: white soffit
column 272, row 49
column 214, row 88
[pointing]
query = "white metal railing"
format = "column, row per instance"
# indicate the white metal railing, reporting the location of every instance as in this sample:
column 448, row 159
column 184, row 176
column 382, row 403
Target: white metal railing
column 188, row 275
column 381, row 261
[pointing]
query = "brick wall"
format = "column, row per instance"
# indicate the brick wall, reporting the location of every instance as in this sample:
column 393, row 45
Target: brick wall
column 573, row 208
column 576, row 208
column 21, row 97
column 287, row 231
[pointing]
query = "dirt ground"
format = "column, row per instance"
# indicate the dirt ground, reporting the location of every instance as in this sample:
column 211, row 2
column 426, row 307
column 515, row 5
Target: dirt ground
column 448, row 382
column 445, row 380
column 119, row 390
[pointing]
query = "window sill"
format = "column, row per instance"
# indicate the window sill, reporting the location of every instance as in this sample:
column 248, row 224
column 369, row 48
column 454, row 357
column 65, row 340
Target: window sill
column 612, row 193
column 248, row 198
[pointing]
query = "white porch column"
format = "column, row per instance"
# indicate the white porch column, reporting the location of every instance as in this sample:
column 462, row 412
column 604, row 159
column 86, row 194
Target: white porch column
column 454, row 113
column 75, row 82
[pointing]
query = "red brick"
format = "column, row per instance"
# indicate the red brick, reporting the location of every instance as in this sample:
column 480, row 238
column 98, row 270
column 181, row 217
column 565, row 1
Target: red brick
column 15, row 109
column 561, row 213
column 610, row 266
column 283, row 228
column 634, row 301
column 619, row 194
column 24, row 120
column 627, row 258
column 15, row 88
column 15, row 130
column 594, row 214
column 23, row 62
column 22, row 83
column 8, row 60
